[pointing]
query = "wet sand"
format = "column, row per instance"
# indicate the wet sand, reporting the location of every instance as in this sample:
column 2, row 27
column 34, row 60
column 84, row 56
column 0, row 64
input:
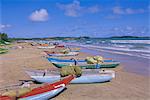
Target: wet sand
column 126, row 85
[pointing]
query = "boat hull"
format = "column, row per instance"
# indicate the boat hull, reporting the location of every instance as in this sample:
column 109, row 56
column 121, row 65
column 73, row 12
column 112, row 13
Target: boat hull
column 71, row 61
column 84, row 79
column 46, row 95
column 89, row 66
column 62, row 55
column 46, row 47
column 47, row 91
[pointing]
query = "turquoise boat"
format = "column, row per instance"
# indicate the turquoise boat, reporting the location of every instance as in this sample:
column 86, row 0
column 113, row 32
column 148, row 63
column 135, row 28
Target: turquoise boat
column 89, row 66
column 108, row 63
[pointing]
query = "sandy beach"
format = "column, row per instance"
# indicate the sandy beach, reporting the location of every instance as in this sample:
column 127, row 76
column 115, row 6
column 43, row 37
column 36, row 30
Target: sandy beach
column 126, row 85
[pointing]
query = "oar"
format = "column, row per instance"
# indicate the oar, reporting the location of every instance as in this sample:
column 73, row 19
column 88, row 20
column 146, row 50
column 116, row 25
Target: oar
column 10, row 86
column 75, row 61
column 69, row 49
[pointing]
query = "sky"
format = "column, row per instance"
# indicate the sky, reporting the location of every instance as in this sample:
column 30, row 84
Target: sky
column 74, row 18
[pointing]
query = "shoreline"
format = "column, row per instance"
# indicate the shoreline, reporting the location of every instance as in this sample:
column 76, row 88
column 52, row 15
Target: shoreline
column 126, row 86
column 141, row 65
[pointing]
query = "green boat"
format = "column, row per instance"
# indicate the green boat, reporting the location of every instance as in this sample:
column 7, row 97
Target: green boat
column 89, row 66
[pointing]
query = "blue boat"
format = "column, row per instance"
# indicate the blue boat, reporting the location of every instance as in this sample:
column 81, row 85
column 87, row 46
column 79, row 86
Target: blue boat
column 71, row 61
column 59, row 63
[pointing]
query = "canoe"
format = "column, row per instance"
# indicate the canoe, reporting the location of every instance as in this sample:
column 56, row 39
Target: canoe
column 72, row 61
column 60, row 46
column 61, row 54
column 89, row 66
column 5, row 98
column 83, row 64
column 47, row 91
column 87, row 77
column 46, row 47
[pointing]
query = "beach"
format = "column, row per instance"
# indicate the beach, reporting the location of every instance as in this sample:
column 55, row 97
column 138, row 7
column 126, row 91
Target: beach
column 127, row 85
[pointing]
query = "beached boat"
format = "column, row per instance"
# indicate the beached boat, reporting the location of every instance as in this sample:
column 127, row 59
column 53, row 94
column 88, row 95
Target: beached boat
column 47, row 91
column 44, row 92
column 88, row 76
column 60, row 46
column 71, row 60
column 61, row 54
column 84, row 65
column 46, row 47
column 5, row 98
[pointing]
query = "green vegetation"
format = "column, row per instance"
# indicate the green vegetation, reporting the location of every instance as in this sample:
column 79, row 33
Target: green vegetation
column 4, row 39
column 87, row 38
column 2, row 50
column 3, row 36
column 130, row 37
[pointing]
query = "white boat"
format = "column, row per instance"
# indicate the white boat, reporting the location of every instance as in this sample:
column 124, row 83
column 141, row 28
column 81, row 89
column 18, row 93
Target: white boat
column 88, row 76
column 62, row 54
column 46, row 47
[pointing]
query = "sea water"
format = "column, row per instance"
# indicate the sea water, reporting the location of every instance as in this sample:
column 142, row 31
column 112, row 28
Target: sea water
column 138, row 48
column 134, row 55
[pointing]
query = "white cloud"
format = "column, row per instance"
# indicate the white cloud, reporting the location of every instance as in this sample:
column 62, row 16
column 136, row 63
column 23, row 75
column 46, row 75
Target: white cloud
column 129, row 28
column 93, row 9
column 4, row 26
column 74, row 9
column 119, row 10
column 134, row 11
column 71, row 9
column 39, row 15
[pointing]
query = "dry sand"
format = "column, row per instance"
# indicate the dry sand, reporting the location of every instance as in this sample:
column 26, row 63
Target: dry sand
column 126, row 86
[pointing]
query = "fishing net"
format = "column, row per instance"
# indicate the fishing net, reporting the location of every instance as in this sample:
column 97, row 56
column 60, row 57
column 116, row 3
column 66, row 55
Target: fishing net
column 17, row 93
column 70, row 70
column 94, row 60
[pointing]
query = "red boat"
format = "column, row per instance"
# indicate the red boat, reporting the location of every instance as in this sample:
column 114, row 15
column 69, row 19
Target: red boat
column 60, row 46
column 44, row 92
column 6, row 98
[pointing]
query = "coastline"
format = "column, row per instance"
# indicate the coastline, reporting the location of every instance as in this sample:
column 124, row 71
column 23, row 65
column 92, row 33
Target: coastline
column 126, row 85
column 130, row 63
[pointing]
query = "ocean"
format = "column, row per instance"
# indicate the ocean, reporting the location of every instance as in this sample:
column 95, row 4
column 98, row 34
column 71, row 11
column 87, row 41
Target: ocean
column 138, row 48
column 134, row 55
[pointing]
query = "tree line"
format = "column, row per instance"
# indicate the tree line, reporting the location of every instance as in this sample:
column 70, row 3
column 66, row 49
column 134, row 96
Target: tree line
column 3, row 37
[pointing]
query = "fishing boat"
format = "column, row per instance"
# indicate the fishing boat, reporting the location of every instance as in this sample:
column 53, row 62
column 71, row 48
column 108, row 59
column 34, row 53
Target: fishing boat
column 61, row 54
column 46, row 47
column 88, row 76
column 44, row 92
column 47, row 91
column 72, row 60
column 5, row 98
column 60, row 46
column 84, row 65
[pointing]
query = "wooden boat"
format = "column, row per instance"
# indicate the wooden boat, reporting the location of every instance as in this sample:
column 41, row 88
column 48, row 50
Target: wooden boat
column 5, row 98
column 75, row 49
column 88, row 76
column 61, row 54
column 71, row 61
column 83, row 64
column 47, row 91
column 46, row 47
column 44, row 92
column 88, row 66
column 60, row 46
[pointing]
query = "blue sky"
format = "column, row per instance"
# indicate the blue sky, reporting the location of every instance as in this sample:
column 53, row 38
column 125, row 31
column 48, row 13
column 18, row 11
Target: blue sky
column 94, row 18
